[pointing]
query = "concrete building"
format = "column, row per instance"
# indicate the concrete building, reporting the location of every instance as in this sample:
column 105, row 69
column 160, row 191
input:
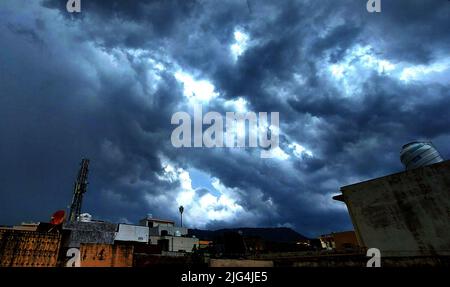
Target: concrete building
column 204, row 244
column 175, row 243
column 132, row 233
column 403, row 214
column 169, row 237
column 168, row 231
column 149, row 221
column 27, row 226
column 339, row 241
column 22, row 248
column 106, row 255
column 162, row 227
column 88, row 232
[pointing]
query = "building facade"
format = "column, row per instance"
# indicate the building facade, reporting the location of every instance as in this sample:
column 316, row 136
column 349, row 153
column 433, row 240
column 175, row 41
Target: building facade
column 403, row 214
column 339, row 241
column 23, row 248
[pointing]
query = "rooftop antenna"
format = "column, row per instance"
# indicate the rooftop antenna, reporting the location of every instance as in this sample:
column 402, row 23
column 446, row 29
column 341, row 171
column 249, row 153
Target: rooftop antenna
column 80, row 187
column 181, row 209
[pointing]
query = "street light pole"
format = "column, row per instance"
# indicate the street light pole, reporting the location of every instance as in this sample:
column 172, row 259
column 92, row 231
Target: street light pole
column 181, row 209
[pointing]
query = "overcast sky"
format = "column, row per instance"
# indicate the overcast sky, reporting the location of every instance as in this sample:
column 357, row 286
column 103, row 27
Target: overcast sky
column 351, row 88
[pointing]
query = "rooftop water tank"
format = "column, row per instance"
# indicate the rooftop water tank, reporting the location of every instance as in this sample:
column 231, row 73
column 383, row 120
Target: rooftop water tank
column 419, row 153
column 85, row 217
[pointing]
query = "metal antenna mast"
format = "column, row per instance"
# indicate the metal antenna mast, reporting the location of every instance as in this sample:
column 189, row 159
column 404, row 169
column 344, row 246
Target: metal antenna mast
column 78, row 190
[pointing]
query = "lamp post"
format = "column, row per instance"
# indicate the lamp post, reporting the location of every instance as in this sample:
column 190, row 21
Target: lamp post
column 181, row 209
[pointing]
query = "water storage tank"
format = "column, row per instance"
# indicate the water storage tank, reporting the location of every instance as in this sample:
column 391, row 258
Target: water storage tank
column 85, row 217
column 419, row 153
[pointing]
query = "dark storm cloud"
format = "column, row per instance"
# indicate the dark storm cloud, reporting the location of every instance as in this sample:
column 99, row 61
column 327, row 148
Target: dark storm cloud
column 131, row 24
column 53, row 112
column 413, row 30
column 82, row 85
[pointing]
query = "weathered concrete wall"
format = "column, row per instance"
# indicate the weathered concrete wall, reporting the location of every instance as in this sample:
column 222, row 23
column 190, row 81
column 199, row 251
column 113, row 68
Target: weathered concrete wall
column 89, row 232
column 239, row 263
column 20, row 248
column 403, row 214
column 352, row 259
column 183, row 243
column 106, row 255
column 361, row 261
column 176, row 243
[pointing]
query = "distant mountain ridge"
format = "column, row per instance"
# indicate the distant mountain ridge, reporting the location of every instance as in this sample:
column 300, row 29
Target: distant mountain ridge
column 274, row 234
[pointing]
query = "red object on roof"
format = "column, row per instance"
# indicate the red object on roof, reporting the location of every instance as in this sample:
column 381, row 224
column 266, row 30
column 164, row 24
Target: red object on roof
column 58, row 217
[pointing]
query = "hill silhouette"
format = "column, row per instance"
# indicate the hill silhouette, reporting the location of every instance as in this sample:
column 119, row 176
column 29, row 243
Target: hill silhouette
column 274, row 234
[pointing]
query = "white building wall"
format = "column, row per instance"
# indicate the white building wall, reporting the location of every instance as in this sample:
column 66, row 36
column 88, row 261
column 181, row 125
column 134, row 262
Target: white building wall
column 171, row 230
column 133, row 233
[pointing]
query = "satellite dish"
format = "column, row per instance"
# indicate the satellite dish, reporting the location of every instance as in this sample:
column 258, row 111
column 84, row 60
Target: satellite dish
column 58, row 217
